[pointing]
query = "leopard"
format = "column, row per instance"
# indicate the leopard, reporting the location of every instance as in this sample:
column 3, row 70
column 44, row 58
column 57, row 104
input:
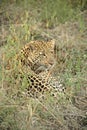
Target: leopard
column 37, row 87
column 35, row 61
column 38, row 55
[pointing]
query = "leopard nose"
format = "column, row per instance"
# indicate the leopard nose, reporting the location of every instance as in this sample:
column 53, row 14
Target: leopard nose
column 51, row 62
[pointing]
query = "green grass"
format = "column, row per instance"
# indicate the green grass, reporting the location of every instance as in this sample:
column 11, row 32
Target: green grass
column 50, row 12
column 21, row 113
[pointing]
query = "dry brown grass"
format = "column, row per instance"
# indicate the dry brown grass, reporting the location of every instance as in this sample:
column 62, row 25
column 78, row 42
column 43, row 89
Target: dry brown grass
column 67, row 111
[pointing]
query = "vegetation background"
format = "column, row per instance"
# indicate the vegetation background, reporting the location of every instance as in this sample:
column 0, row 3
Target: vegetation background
column 66, row 22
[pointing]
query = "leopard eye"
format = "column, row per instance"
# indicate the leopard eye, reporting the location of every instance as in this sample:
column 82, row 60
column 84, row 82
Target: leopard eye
column 42, row 54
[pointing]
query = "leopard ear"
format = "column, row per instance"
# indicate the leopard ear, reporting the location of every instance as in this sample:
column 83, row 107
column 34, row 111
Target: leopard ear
column 52, row 43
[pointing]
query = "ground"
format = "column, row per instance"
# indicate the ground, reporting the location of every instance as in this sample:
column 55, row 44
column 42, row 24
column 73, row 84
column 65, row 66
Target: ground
column 69, row 112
